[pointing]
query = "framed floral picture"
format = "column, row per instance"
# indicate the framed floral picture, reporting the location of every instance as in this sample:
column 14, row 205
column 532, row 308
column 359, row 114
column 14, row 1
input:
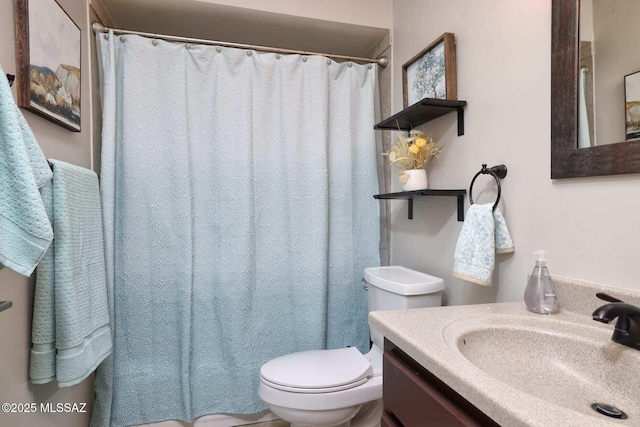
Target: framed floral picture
column 432, row 72
column 632, row 105
column 48, row 60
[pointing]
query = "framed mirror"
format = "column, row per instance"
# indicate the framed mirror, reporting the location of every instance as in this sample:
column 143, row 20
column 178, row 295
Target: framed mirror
column 567, row 160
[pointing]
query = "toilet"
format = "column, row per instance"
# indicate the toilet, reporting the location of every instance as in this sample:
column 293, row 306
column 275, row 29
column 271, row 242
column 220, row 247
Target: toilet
column 343, row 387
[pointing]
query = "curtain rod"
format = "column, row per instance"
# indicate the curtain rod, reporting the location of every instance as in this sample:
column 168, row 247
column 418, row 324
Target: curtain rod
column 99, row 28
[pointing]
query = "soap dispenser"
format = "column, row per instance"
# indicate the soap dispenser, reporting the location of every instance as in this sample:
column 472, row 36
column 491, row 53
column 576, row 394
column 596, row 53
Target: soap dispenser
column 540, row 295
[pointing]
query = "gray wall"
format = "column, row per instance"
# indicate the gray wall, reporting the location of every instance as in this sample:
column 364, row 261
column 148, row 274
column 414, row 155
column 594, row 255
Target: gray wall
column 588, row 226
column 617, row 53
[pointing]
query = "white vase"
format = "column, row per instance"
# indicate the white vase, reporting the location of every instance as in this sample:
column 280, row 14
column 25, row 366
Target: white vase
column 417, row 180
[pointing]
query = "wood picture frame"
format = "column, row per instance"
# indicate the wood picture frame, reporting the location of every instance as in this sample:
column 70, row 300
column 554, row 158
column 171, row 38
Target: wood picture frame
column 48, row 57
column 431, row 73
column 632, row 105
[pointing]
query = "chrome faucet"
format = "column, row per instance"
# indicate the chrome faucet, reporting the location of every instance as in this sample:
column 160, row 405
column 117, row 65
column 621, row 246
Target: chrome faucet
column 627, row 329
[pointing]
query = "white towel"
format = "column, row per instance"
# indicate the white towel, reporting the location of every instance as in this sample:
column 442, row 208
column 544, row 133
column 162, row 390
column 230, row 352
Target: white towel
column 584, row 137
column 25, row 231
column 483, row 234
column 70, row 329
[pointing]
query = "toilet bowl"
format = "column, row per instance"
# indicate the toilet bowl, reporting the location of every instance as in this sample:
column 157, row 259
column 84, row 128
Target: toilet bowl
column 325, row 387
column 343, row 387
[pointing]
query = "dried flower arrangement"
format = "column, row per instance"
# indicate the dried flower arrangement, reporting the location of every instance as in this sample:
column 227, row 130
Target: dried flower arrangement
column 412, row 152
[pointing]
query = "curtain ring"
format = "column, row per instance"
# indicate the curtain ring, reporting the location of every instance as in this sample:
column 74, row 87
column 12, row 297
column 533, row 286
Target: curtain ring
column 486, row 170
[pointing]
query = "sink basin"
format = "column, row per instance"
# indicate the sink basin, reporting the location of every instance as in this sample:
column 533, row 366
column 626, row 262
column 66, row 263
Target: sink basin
column 567, row 364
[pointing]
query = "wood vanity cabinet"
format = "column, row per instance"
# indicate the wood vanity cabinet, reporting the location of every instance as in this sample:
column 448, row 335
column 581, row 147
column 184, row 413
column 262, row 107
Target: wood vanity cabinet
column 414, row 397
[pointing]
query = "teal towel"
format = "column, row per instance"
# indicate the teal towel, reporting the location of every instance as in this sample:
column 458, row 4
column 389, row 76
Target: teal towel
column 483, row 234
column 25, row 231
column 70, row 331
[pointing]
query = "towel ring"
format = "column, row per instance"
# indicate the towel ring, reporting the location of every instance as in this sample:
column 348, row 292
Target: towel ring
column 498, row 172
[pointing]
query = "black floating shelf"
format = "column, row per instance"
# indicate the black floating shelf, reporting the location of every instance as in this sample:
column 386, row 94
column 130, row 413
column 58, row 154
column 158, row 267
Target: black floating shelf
column 409, row 195
column 5, row 305
column 422, row 112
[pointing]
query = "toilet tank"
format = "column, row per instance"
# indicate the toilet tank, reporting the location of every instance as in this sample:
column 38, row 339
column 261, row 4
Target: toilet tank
column 396, row 287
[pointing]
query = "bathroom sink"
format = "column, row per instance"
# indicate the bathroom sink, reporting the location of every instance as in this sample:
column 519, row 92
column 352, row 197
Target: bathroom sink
column 564, row 363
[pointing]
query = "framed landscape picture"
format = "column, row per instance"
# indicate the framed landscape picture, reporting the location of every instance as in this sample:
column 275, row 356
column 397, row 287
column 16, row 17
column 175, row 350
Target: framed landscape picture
column 48, row 60
column 632, row 105
column 432, row 72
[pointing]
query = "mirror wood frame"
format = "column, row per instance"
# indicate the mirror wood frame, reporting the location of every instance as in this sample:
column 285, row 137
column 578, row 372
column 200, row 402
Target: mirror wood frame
column 567, row 161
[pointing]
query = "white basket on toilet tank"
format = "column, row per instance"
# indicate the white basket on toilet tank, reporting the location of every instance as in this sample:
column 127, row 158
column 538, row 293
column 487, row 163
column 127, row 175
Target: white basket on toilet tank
column 342, row 387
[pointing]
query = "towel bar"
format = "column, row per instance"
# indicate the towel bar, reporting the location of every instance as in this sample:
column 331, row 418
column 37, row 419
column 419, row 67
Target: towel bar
column 498, row 172
column 5, row 305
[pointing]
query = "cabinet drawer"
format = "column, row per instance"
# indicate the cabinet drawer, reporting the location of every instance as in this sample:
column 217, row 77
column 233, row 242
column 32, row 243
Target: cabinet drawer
column 414, row 402
column 388, row 421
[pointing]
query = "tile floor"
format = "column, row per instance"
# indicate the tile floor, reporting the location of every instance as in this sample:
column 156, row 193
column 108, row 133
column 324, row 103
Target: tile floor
column 278, row 423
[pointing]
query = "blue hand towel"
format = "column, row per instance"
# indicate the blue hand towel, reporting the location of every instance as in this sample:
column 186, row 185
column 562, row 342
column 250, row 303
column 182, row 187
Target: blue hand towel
column 70, row 331
column 503, row 241
column 483, row 234
column 25, row 231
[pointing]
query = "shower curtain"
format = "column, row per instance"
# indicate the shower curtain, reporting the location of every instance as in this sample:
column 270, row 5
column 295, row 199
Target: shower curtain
column 237, row 195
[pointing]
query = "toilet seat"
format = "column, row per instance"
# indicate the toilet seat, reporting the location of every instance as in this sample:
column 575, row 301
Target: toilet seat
column 313, row 390
column 369, row 391
column 317, row 371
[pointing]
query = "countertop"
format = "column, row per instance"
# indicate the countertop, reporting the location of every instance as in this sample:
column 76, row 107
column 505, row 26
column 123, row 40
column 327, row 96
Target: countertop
column 421, row 334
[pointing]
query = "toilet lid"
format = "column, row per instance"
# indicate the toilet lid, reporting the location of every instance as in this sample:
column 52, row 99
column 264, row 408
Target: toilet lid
column 318, row 369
